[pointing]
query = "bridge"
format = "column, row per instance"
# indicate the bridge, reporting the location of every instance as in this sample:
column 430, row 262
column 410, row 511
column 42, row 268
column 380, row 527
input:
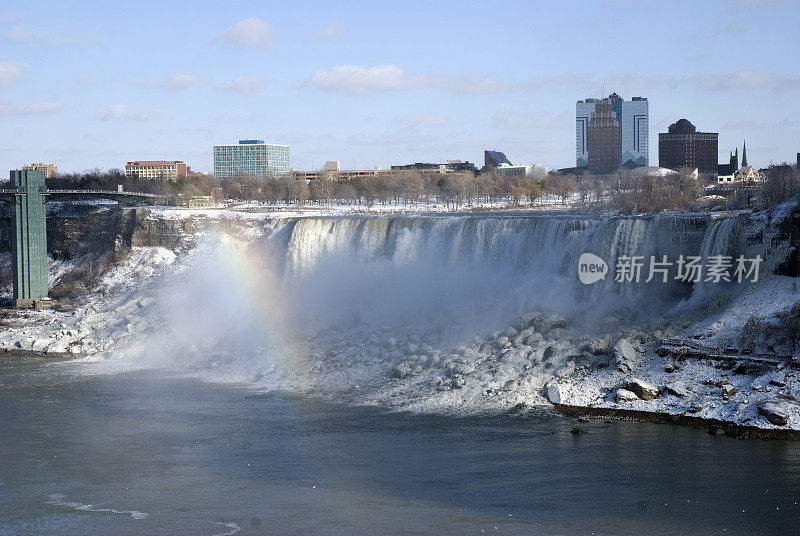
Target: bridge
column 28, row 219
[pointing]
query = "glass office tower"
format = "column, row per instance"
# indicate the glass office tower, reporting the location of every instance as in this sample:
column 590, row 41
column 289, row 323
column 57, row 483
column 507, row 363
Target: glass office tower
column 634, row 123
column 259, row 159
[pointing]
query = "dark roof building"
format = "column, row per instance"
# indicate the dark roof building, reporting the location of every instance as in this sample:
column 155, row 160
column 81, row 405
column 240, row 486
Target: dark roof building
column 492, row 159
column 682, row 146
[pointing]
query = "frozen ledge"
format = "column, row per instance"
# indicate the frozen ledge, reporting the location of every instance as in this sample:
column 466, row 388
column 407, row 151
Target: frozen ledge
column 714, row 426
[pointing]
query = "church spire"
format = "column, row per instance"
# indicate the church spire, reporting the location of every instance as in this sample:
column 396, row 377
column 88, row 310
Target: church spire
column 744, row 153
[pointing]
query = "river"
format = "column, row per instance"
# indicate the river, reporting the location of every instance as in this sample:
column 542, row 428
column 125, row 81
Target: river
column 152, row 452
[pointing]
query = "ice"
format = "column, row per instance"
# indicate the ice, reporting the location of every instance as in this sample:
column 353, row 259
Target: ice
column 439, row 314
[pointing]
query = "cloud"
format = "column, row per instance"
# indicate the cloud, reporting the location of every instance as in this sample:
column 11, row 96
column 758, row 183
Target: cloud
column 334, row 29
column 745, row 80
column 174, row 82
column 362, row 80
column 44, row 108
column 245, row 84
column 422, row 120
column 11, row 72
column 50, row 38
column 121, row 112
column 248, row 33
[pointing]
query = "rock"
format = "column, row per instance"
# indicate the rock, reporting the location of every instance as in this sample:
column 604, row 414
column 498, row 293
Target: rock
column 728, row 390
column 527, row 321
column 549, row 352
column 679, row 389
column 401, row 371
column 779, row 381
column 457, row 382
column 599, row 346
column 721, row 382
column 554, row 393
column 696, row 408
column 533, row 338
column 716, row 430
column 462, row 369
column 623, row 395
column 777, row 410
column 575, row 430
column 551, row 321
column 39, row 345
column 642, row 389
column 510, row 333
column 626, row 356
column 503, row 342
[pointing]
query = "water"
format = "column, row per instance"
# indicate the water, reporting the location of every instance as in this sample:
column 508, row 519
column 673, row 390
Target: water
column 148, row 452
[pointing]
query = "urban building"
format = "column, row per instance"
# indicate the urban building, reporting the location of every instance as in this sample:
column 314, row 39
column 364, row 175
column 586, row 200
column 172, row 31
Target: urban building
column 254, row 157
column 727, row 172
column 170, row 170
column 682, row 146
column 633, row 119
column 603, row 138
column 452, row 166
column 333, row 172
column 201, row 201
column 493, row 159
column 50, row 170
column 534, row 170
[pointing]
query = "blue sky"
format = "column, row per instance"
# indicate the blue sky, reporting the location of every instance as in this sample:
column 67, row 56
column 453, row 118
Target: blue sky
column 95, row 84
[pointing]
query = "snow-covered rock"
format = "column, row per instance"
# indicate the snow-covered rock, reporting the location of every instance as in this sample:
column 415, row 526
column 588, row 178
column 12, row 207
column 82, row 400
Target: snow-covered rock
column 778, row 410
column 623, row 395
column 642, row 389
column 554, row 393
column 626, row 356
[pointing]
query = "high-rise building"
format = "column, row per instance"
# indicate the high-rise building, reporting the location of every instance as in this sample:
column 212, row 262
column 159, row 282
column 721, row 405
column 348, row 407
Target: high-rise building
column 633, row 118
column 170, row 170
column 254, row 157
column 50, row 170
column 683, row 146
column 603, row 138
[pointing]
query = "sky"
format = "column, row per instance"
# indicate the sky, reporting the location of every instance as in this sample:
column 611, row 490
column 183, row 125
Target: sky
column 95, row 84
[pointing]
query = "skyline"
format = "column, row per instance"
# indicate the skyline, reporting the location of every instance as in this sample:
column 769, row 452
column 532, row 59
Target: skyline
column 90, row 86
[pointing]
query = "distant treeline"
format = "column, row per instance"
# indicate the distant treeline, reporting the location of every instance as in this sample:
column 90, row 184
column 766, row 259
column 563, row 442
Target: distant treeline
column 635, row 191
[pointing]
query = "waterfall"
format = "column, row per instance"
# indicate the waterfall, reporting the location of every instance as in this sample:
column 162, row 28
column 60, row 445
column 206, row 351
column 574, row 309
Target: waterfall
column 469, row 265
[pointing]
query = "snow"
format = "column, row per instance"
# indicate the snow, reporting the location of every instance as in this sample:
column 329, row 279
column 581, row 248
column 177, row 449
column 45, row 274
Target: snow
column 160, row 309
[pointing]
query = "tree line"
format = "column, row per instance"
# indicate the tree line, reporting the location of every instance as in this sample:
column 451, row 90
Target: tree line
column 629, row 191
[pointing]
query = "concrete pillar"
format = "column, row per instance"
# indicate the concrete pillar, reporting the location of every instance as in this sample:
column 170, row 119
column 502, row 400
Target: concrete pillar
column 29, row 243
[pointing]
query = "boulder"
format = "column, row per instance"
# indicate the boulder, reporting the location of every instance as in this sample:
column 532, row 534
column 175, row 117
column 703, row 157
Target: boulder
column 626, row 355
column 552, row 320
column 462, row 369
column 525, row 322
column 554, row 394
column 623, row 395
column 642, row 389
column 679, row 389
column 401, row 371
column 533, row 338
column 777, row 410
